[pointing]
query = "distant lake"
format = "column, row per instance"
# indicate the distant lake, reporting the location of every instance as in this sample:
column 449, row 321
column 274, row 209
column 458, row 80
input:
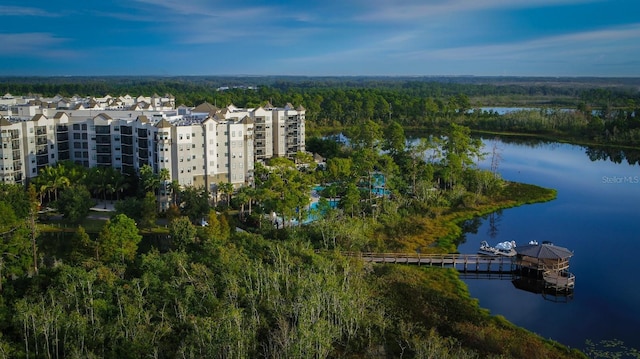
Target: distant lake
column 597, row 216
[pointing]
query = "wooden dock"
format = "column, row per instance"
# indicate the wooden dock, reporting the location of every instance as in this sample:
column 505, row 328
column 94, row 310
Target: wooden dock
column 461, row 262
column 480, row 266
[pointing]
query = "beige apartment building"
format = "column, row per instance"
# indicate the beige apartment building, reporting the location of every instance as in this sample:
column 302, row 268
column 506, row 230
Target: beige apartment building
column 201, row 146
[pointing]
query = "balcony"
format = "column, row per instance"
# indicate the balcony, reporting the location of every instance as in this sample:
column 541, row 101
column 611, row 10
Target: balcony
column 103, row 139
column 126, row 140
column 104, row 160
column 103, row 149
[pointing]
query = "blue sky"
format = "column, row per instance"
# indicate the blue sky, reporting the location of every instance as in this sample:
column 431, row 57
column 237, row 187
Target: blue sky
column 346, row 37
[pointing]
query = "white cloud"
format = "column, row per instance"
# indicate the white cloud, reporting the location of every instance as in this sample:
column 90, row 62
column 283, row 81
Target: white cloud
column 6, row 10
column 401, row 11
column 209, row 22
column 560, row 46
column 34, row 44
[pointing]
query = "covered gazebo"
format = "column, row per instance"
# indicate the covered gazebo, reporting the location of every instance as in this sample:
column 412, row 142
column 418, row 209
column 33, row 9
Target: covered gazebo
column 548, row 261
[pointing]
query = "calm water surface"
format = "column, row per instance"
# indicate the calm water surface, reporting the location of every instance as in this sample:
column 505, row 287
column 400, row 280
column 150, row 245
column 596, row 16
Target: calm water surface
column 597, row 216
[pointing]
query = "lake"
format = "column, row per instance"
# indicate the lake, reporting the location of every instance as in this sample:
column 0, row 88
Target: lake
column 597, row 216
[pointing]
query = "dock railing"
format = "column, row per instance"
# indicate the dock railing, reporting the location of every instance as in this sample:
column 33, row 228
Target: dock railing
column 462, row 262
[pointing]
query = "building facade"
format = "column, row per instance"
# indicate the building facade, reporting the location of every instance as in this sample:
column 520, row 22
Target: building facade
column 200, row 147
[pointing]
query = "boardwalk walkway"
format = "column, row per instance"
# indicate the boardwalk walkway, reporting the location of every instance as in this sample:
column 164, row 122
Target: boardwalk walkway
column 475, row 265
column 461, row 262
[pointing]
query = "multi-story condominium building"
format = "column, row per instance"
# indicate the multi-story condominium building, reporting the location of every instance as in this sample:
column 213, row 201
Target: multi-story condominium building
column 28, row 146
column 202, row 146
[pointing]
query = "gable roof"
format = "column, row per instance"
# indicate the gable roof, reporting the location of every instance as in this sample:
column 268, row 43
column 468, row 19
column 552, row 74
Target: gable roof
column 4, row 121
column 247, row 120
column 544, row 251
column 103, row 116
column 163, row 124
column 59, row 115
column 205, row 107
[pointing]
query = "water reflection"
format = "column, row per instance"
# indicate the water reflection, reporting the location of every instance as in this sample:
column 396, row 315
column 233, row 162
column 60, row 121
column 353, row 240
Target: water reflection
column 594, row 153
column 494, row 221
column 538, row 286
column 615, row 155
column 597, row 219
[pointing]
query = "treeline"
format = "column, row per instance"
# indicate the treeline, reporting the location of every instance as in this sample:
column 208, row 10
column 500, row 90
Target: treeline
column 605, row 113
column 400, row 91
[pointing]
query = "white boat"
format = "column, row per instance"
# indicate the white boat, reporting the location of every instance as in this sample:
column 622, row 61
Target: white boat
column 506, row 249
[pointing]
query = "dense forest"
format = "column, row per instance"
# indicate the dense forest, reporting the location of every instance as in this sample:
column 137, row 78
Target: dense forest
column 587, row 110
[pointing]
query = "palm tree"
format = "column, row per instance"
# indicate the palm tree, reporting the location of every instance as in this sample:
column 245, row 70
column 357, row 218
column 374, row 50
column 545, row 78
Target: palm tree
column 227, row 189
column 59, row 182
column 98, row 180
column 243, row 197
column 163, row 178
column 120, row 184
column 174, row 187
